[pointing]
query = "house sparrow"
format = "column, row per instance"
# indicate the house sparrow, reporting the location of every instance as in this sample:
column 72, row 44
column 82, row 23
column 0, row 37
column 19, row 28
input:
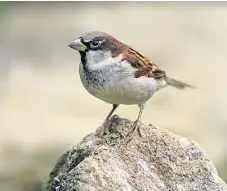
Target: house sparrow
column 117, row 74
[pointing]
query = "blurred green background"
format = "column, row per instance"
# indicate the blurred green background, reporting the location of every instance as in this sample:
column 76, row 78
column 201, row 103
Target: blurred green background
column 44, row 108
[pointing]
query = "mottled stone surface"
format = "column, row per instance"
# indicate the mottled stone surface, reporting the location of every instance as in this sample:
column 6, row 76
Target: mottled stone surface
column 155, row 160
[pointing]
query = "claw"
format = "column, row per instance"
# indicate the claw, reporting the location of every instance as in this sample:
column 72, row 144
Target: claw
column 131, row 134
column 104, row 124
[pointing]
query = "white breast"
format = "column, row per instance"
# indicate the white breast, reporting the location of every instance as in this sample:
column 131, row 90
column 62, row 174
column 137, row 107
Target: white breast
column 113, row 82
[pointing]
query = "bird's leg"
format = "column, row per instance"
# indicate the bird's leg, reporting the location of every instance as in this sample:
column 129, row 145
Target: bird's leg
column 136, row 123
column 111, row 112
column 107, row 119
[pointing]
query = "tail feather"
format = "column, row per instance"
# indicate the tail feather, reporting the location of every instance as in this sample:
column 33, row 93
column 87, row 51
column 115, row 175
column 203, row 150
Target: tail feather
column 178, row 84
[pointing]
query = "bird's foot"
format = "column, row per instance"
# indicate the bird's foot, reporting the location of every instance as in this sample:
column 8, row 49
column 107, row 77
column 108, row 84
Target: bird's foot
column 131, row 133
column 106, row 124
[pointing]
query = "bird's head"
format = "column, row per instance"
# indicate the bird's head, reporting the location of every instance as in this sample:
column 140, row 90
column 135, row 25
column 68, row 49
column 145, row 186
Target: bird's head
column 97, row 46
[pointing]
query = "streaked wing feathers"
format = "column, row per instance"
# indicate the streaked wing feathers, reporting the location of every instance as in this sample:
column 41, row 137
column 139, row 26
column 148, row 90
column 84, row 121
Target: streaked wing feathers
column 145, row 67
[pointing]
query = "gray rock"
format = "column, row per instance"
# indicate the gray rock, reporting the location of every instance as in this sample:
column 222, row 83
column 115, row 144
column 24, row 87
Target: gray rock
column 155, row 160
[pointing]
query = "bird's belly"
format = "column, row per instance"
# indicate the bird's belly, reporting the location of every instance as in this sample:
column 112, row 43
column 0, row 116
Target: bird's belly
column 126, row 91
column 117, row 97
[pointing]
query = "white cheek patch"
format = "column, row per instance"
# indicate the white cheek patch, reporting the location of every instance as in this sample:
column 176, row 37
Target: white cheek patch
column 92, row 56
column 97, row 57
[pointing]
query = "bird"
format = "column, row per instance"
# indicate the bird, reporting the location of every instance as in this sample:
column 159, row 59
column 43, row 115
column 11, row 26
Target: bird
column 118, row 74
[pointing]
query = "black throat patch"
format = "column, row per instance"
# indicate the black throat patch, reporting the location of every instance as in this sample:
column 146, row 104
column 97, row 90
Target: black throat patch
column 83, row 59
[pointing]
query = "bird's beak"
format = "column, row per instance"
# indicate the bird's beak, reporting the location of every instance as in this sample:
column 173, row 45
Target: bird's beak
column 78, row 45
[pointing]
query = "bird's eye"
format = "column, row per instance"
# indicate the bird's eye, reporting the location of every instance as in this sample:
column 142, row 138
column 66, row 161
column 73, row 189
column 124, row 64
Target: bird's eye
column 95, row 44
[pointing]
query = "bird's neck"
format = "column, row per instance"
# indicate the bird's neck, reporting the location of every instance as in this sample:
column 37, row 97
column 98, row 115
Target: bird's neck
column 98, row 60
column 95, row 59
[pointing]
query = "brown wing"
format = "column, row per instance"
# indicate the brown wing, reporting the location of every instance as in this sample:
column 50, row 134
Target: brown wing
column 145, row 67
